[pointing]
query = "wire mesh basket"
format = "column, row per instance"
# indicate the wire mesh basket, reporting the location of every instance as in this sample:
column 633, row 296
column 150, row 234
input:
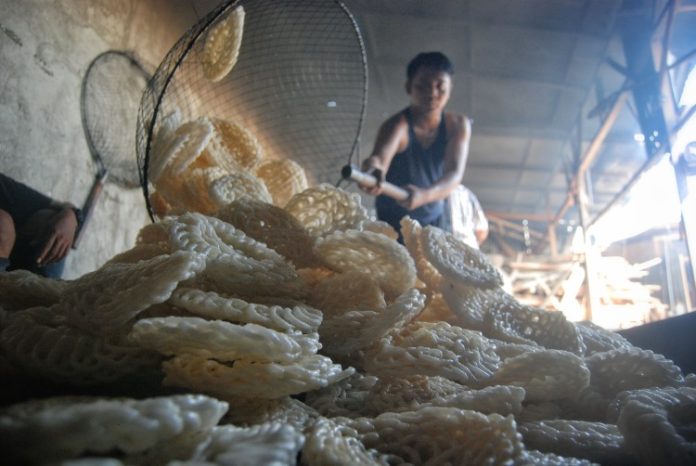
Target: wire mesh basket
column 299, row 85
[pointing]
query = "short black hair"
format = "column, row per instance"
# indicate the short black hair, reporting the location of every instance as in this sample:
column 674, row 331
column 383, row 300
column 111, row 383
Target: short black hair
column 433, row 60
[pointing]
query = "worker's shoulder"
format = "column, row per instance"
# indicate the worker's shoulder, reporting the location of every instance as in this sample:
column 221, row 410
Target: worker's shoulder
column 396, row 123
column 457, row 121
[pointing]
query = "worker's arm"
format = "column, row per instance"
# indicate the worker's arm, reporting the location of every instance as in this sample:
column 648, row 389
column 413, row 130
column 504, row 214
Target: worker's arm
column 481, row 235
column 456, row 154
column 391, row 139
column 58, row 234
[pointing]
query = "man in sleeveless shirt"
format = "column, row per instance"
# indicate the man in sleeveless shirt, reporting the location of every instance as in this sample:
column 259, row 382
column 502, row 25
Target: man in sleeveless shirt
column 422, row 148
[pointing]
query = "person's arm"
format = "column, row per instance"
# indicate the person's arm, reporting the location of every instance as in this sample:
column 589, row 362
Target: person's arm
column 59, row 237
column 391, row 138
column 59, row 232
column 480, row 220
column 456, row 154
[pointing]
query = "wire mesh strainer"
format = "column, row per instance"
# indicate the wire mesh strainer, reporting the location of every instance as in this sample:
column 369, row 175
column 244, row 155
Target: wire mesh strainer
column 299, row 85
column 111, row 91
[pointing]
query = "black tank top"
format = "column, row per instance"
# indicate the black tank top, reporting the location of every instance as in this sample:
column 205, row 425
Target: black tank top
column 421, row 167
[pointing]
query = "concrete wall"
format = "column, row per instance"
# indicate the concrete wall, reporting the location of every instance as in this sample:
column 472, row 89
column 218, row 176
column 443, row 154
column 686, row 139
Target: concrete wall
column 45, row 49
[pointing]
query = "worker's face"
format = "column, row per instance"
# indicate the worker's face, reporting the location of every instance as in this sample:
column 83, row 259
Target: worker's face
column 429, row 89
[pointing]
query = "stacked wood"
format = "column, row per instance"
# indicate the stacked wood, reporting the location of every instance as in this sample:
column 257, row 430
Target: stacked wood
column 619, row 298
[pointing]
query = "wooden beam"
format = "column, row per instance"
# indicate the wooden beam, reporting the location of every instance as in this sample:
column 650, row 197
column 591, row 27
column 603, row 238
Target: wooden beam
column 531, row 216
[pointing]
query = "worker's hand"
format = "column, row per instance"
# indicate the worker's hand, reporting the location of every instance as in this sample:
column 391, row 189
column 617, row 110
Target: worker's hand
column 370, row 169
column 416, row 198
column 58, row 237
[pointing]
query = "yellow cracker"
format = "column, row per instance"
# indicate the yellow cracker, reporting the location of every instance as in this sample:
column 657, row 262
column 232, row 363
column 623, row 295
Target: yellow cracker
column 233, row 147
column 222, row 44
column 163, row 145
column 352, row 290
column 248, row 378
column 324, row 209
column 437, row 310
column 273, row 226
column 283, row 177
column 412, row 231
column 195, row 135
column 239, row 185
column 385, row 260
column 383, row 228
column 159, row 204
column 195, row 193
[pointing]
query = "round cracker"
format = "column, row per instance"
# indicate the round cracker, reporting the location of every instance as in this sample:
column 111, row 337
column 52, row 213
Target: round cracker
column 222, row 44
column 456, row 260
column 385, row 260
column 284, row 178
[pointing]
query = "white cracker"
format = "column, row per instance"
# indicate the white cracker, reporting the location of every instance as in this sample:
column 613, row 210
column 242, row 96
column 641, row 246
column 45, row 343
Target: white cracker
column 221, row 340
column 112, row 296
column 657, row 425
column 22, row 289
column 383, row 259
column 443, row 436
column 456, row 260
column 630, row 369
column 211, row 305
column 545, row 375
column 235, row 263
column 71, row 428
column 511, row 321
column 66, row 355
column 248, row 378
column 597, row 339
column 263, row 444
column 357, row 330
column 437, row 350
column 594, row 441
column 331, row 442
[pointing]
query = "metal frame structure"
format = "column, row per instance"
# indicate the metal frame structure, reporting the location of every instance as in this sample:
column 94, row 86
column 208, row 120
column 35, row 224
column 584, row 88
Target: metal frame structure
column 645, row 37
